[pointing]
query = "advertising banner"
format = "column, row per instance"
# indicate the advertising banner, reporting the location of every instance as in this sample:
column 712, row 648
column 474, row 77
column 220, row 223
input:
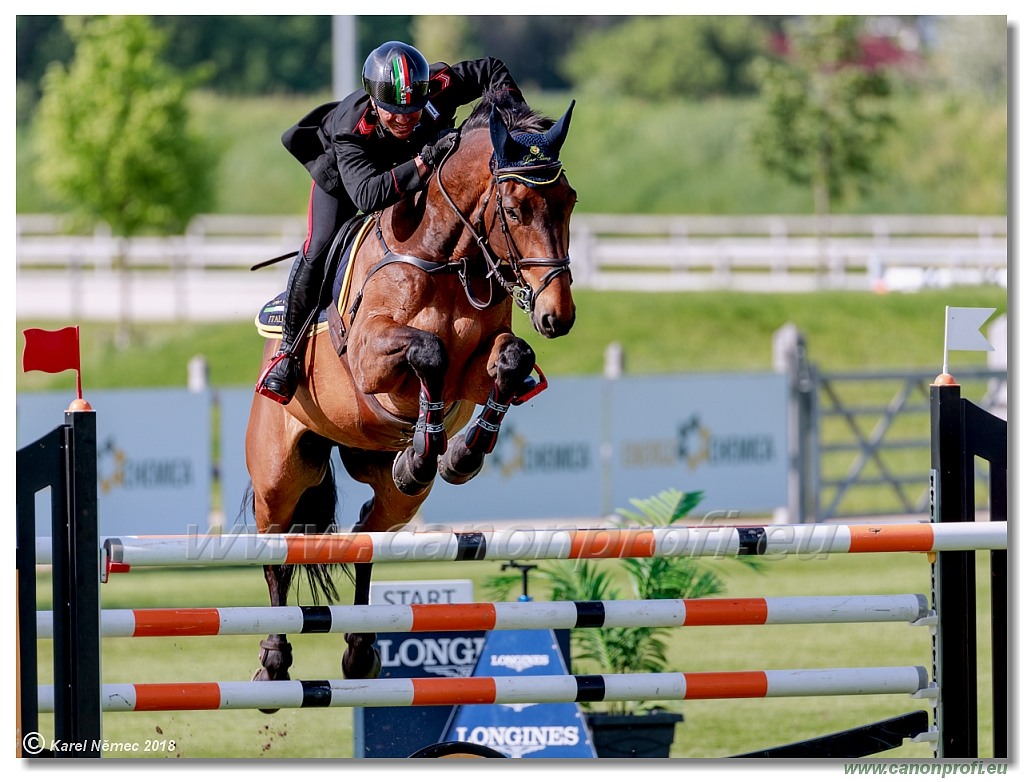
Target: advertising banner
column 154, row 465
column 398, row 732
column 518, row 730
column 581, row 450
column 724, row 435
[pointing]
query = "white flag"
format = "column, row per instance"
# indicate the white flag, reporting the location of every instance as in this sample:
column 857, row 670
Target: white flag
column 963, row 328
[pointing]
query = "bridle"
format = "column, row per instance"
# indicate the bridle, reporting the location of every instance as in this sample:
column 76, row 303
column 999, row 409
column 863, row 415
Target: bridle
column 518, row 288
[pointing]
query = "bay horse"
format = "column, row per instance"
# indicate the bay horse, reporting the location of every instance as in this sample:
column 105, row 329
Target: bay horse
column 427, row 325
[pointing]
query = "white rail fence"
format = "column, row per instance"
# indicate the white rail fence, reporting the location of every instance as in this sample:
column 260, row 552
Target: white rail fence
column 204, row 273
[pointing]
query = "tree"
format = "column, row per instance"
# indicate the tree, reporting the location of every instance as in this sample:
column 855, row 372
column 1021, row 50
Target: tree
column 253, row 55
column 663, row 57
column 972, row 55
column 823, row 117
column 446, row 38
column 112, row 126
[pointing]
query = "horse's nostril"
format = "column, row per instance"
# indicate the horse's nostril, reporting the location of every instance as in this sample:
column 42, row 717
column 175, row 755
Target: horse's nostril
column 553, row 326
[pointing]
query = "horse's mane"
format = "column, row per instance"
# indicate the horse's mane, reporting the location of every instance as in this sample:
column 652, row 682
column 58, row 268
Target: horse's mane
column 518, row 116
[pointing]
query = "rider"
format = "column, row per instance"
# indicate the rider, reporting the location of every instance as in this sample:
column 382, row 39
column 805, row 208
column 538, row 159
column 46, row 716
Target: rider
column 365, row 153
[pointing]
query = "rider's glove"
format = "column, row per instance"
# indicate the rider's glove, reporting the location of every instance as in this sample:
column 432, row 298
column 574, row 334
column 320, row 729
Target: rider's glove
column 434, row 153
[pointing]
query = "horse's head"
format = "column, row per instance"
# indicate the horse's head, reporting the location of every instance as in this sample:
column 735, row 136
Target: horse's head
column 523, row 212
column 533, row 204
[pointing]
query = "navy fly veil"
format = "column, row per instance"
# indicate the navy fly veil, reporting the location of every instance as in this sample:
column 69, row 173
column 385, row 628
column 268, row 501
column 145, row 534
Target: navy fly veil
column 531, row 158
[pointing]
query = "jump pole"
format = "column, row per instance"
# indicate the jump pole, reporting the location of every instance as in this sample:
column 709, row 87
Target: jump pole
column 123, row 553
column 200, row 696
column 704, row 612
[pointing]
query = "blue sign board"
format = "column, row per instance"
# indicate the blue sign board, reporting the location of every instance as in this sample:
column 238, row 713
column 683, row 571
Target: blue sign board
column 399, row 731
column 535, row 730
column 153, row 462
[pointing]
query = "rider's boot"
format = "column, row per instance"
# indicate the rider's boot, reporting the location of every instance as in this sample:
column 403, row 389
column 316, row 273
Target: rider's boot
column 281, row 378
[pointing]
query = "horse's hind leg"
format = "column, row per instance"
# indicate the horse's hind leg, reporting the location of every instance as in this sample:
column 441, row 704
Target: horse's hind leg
column 390, row 509
column 275, row 651
column 360, row 659
column 465, row 455
column 292, row 482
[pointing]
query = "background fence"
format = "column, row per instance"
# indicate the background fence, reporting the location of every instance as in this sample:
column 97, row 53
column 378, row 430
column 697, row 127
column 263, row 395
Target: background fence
column 859, row 441
column 204, row 273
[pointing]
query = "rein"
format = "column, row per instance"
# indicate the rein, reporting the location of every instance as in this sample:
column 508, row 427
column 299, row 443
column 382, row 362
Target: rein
column 518, row 288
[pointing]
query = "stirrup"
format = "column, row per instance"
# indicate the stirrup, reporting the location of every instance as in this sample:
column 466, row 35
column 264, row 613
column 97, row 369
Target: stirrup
column 261, row 387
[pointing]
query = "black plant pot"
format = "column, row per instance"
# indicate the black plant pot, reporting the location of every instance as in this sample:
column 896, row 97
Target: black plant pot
column 633, row 735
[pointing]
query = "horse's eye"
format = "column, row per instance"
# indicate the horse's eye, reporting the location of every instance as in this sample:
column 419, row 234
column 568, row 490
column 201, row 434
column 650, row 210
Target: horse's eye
column 512, row 214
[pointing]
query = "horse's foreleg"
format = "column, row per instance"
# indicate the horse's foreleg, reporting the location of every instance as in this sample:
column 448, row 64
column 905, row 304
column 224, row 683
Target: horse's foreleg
column 414, row 469
column 465, row 455
column 287, row 465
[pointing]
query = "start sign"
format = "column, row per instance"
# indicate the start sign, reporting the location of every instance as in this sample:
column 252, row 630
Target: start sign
column 398, row 732
column 404, row 593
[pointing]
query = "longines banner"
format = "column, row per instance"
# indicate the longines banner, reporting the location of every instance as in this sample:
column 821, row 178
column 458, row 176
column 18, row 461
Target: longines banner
column 154, row 461
column 581, row 449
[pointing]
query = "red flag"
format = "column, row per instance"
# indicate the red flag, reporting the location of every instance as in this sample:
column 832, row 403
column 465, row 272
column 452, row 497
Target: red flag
column 51, row 351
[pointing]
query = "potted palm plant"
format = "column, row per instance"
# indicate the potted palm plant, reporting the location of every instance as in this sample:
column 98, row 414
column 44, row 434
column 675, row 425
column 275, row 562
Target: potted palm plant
column 629, row 728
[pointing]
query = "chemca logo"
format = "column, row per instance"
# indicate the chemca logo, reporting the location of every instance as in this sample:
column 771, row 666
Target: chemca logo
column 696, row 444
column 513, row 453
column 117, row 470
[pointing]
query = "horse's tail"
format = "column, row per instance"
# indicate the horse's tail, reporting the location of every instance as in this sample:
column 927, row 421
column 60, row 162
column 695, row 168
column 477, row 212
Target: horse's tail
column 314, row 514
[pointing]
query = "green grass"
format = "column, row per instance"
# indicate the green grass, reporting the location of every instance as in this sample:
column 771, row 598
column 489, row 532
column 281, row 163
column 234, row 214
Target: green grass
column 711, row 728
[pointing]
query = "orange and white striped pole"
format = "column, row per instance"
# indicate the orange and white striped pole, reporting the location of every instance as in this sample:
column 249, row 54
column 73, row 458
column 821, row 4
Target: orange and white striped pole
column 534, row 615
column 198, row 696
column 124, row 553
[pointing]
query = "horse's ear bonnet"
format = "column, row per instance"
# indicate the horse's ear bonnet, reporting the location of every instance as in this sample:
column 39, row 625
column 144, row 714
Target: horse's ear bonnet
column 529, row 157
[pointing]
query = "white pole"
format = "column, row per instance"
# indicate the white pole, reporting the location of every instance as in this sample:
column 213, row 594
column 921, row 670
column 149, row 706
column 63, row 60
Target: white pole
column 945, row 346
column 343, row 46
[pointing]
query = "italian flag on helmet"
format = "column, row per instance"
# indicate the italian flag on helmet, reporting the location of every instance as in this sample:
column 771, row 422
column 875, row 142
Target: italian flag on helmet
column 400, row 74
column 397, row 76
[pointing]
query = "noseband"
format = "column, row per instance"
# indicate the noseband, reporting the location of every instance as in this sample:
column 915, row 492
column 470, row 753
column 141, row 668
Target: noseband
column 518, row 288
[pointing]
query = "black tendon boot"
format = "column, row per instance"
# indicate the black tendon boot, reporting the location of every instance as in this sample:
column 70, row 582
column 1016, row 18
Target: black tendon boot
column 281, row 378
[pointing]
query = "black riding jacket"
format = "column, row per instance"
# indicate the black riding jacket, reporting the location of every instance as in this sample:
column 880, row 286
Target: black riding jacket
column 353, row 158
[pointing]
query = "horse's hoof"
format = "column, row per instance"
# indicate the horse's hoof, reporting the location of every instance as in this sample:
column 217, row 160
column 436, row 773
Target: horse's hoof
column 275, row 659
column 447, row 470
column 263, row 675
column 372, row 673
column 405, row 478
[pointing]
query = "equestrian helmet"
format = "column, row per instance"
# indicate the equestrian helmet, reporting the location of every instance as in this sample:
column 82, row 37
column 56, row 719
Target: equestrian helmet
column 396, row 76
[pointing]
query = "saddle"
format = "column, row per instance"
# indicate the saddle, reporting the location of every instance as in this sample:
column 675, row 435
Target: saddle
column 346, row 241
